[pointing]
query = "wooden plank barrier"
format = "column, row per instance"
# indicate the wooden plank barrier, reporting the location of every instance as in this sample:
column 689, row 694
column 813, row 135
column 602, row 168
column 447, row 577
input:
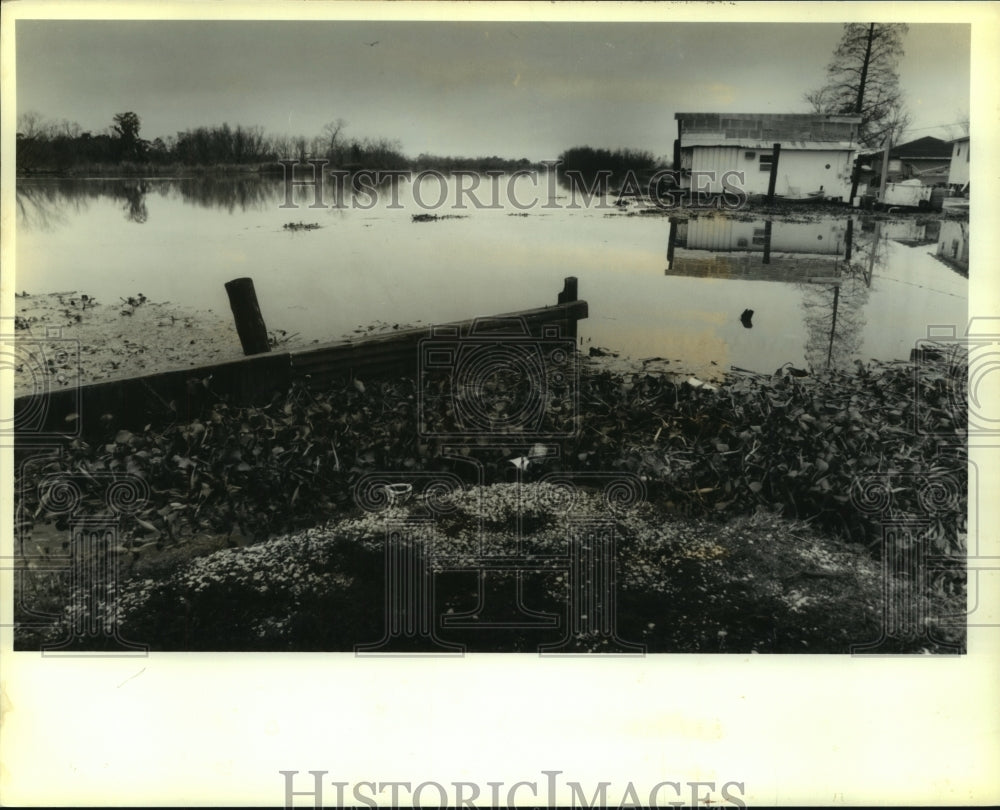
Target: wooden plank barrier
column 182, row 394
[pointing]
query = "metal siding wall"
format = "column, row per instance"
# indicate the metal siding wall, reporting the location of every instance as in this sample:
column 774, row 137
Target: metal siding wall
column 958, row 170
column 711, row 233
column 805, row 170
column 718, row 159
column 801, row 169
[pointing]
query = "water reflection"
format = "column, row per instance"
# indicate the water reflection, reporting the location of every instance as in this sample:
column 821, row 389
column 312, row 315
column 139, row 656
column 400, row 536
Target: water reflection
column 134, row 194
column 833, row 307
column 756, row 249
column 831, row 262
column 226, row 193
column 912, row 232
column 841, row 288
column 952, row 248
column 44, row 204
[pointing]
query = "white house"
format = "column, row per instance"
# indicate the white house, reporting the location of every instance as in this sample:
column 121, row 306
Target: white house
column 817, row 152
column 958, row 174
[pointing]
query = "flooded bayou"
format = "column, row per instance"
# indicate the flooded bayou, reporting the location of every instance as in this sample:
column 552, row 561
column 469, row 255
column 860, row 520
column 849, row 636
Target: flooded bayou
column 824, row 288
column 753, row 299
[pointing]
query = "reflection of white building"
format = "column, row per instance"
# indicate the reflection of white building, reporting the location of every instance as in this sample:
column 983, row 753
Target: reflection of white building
column 757, row 250
column 953, row 245
column 816, row 152
column 911, row 232
column 826, row 236
column 958, row 173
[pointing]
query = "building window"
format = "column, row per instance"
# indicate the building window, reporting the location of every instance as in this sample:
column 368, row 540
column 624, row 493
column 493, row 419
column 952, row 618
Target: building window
column 765, row 162
column 758, row 236
column 742, row 242
column 749, row 155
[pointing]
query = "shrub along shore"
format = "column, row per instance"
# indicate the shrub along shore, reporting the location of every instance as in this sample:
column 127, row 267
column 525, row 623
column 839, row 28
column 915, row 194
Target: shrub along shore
column 738, row 477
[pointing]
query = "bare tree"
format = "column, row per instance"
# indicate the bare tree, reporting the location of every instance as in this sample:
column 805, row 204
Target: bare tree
column 961, row 125
column 862, row 80
column 30, row 124
column 301, row 146
column 329, row 142
column 32, row 136
column 821, row 101
column 66, row 129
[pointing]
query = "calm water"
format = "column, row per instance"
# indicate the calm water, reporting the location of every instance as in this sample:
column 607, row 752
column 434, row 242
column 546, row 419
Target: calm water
column 656, row 287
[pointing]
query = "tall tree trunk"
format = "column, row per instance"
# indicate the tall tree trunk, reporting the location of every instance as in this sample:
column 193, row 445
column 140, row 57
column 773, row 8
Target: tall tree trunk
column 864, row 69
column 855, row 174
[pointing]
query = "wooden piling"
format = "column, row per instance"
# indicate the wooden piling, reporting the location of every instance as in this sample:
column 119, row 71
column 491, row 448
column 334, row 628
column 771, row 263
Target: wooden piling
column 855, row 179
column 774, row 173
column 568, row 296
column 885, row 170
column 569, row 292
column 767, row 242
column 849, row 239
column 246, row 312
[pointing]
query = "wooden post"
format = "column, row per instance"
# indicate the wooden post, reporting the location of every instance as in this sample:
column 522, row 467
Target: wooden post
column 855, row 179
column 774, row 173
column 671, row 239
column 849, row 239
column 567, row 296
column 246, row 313
column 767, row 242
column 885, row 170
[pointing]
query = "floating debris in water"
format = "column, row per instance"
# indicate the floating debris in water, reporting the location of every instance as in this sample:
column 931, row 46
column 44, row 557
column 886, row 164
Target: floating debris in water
column 302, row 226
column 435, row 217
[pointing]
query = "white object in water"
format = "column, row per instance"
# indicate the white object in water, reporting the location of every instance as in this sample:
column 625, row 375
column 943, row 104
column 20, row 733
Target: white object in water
column 694, row 382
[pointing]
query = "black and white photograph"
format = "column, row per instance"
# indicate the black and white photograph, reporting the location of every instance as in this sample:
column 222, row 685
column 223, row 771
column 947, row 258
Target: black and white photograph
column 420, row 339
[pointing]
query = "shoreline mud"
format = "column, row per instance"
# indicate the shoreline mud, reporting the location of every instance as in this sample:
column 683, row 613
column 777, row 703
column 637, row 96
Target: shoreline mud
column 68, row 338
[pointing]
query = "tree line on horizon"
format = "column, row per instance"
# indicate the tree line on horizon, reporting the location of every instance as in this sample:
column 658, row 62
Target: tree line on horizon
column 63, row 147
column 862, row 80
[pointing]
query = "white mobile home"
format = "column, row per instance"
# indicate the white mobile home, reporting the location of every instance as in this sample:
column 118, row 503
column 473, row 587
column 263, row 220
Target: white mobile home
column 958, row 174
column 816, row 155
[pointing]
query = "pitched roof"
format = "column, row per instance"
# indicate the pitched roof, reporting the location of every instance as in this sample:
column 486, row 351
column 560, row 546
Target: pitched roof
column 738, row 127
column 926, row 147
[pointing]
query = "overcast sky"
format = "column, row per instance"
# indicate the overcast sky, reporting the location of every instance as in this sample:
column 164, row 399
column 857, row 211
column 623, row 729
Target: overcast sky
column 506, row 88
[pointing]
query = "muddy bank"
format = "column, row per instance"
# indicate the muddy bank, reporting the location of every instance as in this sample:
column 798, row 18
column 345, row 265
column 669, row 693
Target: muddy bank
column 68, row 338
